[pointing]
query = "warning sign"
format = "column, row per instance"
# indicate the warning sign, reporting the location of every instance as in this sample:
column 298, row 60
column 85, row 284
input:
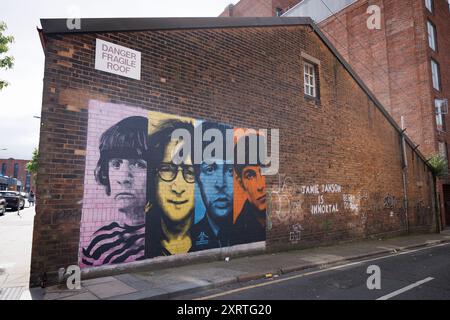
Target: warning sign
column 117, row 59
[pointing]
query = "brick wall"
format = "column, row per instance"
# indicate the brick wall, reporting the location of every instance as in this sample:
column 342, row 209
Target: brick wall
column 394, row 62
column 341, row 152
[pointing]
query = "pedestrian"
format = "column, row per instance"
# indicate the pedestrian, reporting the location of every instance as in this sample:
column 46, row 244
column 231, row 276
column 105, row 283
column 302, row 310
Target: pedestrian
column 31, row 198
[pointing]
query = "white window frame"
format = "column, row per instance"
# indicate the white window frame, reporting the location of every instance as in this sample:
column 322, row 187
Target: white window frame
column 310, row 79
column 439, row 115
column 435, row 73
column 443, row 150
column 432, row 35
column 278, row 12
column 429, row 5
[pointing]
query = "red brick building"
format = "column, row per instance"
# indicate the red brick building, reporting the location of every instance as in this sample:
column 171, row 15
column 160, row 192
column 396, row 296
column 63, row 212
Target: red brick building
column 405, row 63
column 16, row 169
column 258, row 8
column 341, row 171
column 398, row 63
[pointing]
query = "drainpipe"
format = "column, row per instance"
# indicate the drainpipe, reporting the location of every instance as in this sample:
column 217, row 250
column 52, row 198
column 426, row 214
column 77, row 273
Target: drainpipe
column 437, row 203
column 404, row 174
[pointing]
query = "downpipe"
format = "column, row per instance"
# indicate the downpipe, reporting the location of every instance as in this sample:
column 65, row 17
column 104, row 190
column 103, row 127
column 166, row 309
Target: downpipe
column 404, row 174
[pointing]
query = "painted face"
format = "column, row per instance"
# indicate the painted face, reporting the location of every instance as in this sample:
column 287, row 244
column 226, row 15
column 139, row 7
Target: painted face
column 128, row 179
column 216, row 186
column 175, row 186
column 255, row 185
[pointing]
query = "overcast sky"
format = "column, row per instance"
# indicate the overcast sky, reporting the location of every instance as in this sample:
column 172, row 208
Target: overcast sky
column 22, row 100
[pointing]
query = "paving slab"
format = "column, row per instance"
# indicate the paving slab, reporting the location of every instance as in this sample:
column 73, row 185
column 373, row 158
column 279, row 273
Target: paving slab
column 61, row 295
column 109, row 289
column 155, row 293
column 82, row 296
column 134, row 281
column 188, row 286
column 95, row 281
column 56, row 292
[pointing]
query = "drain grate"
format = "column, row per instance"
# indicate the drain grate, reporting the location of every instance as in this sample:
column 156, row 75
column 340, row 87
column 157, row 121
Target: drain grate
column 13, row 293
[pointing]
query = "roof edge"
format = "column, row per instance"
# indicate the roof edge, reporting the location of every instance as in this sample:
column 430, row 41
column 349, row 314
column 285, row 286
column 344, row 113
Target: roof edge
column 89, row 25
column 42, row 38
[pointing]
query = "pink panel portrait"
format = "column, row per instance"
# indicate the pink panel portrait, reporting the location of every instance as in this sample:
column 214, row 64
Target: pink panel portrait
column 113, row 218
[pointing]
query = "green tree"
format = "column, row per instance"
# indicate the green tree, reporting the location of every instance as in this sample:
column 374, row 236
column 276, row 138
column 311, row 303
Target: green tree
column 33, row 165
column 438, row 165
column 6, row 62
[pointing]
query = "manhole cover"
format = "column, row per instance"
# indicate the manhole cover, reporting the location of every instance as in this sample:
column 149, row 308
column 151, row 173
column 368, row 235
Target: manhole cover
column 13, row 293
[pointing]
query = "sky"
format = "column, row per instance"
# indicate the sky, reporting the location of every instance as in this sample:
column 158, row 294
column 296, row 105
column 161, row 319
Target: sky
column 22, row 99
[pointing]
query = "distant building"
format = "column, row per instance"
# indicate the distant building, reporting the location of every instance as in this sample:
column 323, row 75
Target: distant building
column 258, row 8
column 405, row 63
column 14, row 175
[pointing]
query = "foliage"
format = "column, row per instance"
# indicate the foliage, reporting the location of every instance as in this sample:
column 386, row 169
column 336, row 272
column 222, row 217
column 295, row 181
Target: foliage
column 6, row 62
column 33, row 165
column 438, row 165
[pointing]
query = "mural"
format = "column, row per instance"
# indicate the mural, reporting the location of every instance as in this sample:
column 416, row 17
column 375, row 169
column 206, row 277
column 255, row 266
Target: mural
column 250, row 193
column 170, row 213
column 214, row 199
column 138, row 203
column 113, row 216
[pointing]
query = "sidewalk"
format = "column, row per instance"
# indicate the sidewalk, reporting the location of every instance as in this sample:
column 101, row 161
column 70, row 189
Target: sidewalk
column 16, row 234
column 172, row 282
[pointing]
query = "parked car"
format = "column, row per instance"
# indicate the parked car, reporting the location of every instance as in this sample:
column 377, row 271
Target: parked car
column 14, row 199
column 2, row 206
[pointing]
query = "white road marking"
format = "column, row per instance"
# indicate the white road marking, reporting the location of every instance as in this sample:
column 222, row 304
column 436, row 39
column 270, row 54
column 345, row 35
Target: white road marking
column 315, row 272
column 400, row 291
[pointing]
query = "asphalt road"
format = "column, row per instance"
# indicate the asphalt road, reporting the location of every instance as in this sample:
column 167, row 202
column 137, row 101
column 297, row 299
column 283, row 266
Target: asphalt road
column 420, row 274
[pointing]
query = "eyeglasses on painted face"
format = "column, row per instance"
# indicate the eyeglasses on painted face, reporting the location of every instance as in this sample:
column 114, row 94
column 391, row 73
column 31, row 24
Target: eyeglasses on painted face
column 168, row 172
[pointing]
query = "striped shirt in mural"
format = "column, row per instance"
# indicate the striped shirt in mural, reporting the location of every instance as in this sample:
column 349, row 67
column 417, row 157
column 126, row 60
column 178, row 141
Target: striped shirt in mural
column 115, row 244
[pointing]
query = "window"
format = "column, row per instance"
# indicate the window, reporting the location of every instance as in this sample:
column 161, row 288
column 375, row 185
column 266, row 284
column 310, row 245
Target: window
column 441, row 107
column 435, row 74
column 443, row 150
column 3, row 169
column 16, row 170
column 28, row 182
column 278, row 12
column 429, row 5
column 310, row 80
column 431, row 36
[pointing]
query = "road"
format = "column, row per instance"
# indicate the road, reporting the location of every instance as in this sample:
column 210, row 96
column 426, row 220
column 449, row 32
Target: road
column 16, row 233
column 420, row 274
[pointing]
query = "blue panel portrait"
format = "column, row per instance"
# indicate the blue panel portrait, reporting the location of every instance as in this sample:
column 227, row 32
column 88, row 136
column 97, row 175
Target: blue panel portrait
column 214, row 192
